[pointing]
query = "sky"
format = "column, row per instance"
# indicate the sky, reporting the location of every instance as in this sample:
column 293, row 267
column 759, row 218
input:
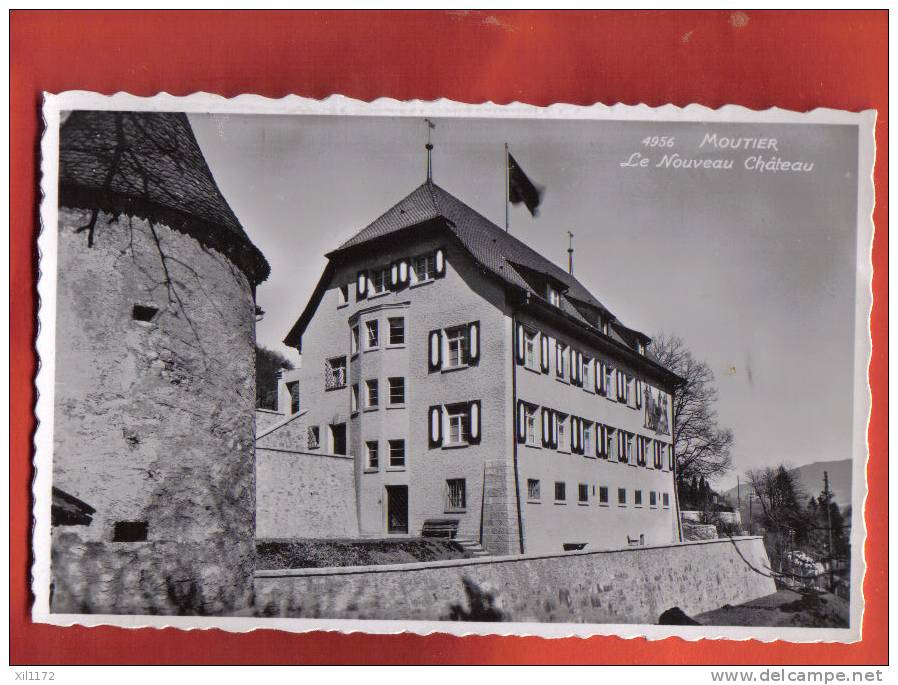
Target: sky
column 754, row 271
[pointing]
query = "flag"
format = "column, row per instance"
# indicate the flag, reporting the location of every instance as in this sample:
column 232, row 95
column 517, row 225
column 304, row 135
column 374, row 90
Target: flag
column 521, row 188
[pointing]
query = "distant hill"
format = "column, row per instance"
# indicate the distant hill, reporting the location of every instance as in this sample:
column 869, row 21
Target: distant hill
column 811, row 478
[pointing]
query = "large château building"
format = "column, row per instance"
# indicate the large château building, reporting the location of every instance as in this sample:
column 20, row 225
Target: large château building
column 481, row 389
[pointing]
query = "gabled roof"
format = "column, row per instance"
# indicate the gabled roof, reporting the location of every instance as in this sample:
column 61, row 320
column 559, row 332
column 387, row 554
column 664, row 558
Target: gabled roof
column 491, row 246
column 149, row 164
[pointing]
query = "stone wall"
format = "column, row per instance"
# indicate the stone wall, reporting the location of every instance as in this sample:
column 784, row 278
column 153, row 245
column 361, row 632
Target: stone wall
column 302, row 493
column 153, row 420
column 633, row 585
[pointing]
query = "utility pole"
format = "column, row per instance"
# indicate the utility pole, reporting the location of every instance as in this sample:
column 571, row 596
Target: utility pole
column 570, row 253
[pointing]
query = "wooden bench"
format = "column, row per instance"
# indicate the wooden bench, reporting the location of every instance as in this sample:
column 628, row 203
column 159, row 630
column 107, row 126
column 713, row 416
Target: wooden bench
column 440, row 528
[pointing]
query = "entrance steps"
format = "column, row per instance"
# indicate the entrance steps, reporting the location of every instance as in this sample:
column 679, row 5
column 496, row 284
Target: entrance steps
column 472, row 548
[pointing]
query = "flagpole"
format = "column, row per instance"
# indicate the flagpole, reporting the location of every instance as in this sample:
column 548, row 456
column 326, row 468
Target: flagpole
column 506, row 187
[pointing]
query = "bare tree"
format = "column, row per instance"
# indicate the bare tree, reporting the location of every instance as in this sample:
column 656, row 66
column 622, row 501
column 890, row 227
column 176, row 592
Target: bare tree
column 702, row 447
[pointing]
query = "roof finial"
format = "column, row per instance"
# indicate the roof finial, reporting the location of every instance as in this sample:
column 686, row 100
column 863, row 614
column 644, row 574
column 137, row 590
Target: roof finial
column 570, row 253
column 429, row 147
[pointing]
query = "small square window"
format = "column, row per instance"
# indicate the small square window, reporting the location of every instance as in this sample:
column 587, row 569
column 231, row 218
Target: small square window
column 143, row 312
column 603, row 494
column 560, row 494
column 373, row 456
column 397, row 331
column 533, row 490
column 397, row 391
column 583, row 493
column 397, row 453
column 622, row 496
column 130, row 531
column 372, row 335
column 456, row 494
column 371, row 394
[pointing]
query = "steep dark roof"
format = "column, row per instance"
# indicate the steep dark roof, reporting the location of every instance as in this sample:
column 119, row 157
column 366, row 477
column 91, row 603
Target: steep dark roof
column 149, row 164
column 491, row 246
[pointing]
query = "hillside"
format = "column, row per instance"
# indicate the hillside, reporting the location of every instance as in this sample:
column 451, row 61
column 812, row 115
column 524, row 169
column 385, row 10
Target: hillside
column 811, row 478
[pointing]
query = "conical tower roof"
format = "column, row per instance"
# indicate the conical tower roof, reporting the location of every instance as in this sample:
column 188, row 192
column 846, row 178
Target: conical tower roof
column 149, row 164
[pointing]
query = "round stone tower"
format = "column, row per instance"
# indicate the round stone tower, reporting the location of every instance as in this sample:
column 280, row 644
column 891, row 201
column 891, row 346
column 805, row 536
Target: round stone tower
column 153, row 464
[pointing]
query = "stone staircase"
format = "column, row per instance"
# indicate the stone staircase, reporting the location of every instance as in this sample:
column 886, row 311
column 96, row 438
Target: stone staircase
column 472, row 548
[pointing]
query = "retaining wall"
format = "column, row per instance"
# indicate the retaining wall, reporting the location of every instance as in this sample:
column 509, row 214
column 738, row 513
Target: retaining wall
column 634, row 585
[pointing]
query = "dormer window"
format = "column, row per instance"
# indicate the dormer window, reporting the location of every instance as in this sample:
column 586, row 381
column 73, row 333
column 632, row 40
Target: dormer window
column 554, row 297
column 640, row 346
column 606, row 328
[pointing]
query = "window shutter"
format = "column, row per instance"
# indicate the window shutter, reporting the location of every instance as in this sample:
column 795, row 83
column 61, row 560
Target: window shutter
column 573, row 432
column 435, row 429
column 474, row 428
column 403, row 271
column 547, row 428
column 435, row 351
column 439, row 261
column 598, row 376
column 599, row 439
column 473, row 342
column 559, row 360
column 554, row 421
column 581, row 439
column 572, row 371
column 520, row 343
column 522, row 427
column 544, row 352
column 580, row 369
column 361, row 286
column 394, row 275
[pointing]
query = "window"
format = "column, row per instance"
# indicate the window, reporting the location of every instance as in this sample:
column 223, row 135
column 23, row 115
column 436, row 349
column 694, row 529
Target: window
column 622, row 497
column 531, row 425
column 343, row 295
column 371, row 394
column 456, row 341
column 637, row 498
column 459, row 421
column 313, row 438
column 531, row 351
column 670, row 457
column 554, row 297
column 354, row 406
column 587, row 438
column 605, row 380
column 665, row 499
column 378, row 281
column 653, row 499
column 397, row 391
column 338, row 438
column 293, row 390
column 130, row 531
column 354, row 342
column 604, row 440
column 637, row 391
column 397, row 453
column 424, row 267
column 372, row 335
column 335, row 373
column 532, row 490
column 585, row 375
column 561, row 360
column 624, row 447
column 603, row 494
column 563, row 444
column 373, row 457
column 397, row 331
column 640, row 346
column 642, row 448
column 456, row 495
column 606, row 326
column 583, row 493
column 143, row 312
column 659, row 454
column 560, row 494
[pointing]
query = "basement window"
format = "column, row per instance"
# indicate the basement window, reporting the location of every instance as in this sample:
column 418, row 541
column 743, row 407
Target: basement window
column 130, row 531
column 143, row 312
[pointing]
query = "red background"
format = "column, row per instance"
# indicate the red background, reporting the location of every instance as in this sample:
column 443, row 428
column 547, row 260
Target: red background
column 793, row 60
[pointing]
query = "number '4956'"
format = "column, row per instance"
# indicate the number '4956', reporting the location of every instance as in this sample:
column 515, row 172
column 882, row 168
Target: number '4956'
column 658, row 141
